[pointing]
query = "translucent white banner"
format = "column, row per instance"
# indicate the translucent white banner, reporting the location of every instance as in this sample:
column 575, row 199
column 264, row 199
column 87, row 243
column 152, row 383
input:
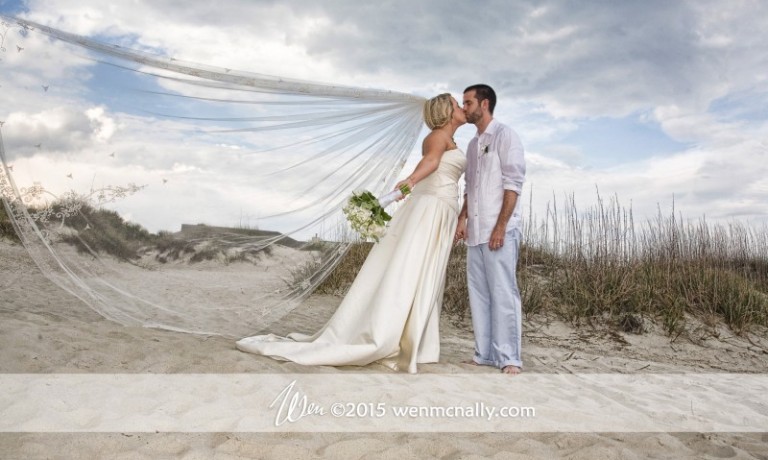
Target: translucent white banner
column 356, row 402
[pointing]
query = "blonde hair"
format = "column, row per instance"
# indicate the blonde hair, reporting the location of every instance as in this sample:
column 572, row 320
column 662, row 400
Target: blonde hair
column 438, row 111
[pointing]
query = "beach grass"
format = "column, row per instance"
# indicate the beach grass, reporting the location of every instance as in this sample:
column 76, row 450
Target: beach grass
column 600, row 266
column 6, row 227
column 604, row 265
column 341, row 277
column 99, row 230
column 585, row 266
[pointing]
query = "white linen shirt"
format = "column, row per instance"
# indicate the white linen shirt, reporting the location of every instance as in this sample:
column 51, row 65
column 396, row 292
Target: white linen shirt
column 495, row 163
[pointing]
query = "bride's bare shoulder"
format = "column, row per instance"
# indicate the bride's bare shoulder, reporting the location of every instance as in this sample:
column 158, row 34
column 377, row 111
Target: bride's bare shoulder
column 437, row 140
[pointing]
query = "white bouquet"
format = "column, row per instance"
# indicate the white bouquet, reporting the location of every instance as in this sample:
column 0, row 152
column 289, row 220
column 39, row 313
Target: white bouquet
column 366, row 214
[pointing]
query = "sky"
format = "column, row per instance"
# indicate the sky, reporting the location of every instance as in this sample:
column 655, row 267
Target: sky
column 660, row 104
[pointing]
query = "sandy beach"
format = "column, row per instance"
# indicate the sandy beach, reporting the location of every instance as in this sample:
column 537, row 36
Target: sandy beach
column 45, row 330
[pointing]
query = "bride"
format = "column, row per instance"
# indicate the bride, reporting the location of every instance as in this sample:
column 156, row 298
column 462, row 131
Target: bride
column 391, row 312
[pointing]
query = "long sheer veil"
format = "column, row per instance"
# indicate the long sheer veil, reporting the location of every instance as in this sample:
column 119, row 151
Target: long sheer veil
column 178, row 195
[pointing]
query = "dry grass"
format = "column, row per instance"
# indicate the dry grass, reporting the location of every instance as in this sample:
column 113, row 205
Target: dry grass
column 600, row 266
column 606, row 267
column 6, row 228
column 341, row 277
column 98, row 230
column 456, row 298
column 107, row 232
column 594, row 265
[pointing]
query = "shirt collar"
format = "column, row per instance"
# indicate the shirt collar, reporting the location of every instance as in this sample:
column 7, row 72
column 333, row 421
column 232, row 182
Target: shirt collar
column 490, row 129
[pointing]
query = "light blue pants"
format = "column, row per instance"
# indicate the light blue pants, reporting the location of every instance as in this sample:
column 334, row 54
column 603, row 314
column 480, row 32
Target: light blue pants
column 494, row 300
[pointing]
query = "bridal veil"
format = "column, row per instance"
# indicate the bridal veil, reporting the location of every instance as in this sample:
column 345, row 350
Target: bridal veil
column 179, row 195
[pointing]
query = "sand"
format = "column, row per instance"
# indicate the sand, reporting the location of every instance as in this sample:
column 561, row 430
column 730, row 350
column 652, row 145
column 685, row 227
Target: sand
column 45, row 330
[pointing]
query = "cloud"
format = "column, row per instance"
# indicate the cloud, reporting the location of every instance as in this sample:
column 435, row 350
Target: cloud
column 572, row 60
column 592, row 59
column 691, row 70
column 103, row 125
column 246, row 35
column 57, row 129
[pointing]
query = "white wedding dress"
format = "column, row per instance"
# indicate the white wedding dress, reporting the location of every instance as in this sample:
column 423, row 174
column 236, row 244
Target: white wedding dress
column 392, row 310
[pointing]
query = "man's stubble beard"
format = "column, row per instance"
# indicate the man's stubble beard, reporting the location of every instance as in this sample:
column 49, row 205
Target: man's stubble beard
column 474, row 117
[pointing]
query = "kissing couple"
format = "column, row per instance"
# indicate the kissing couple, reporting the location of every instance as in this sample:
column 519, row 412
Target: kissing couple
column 391, row 312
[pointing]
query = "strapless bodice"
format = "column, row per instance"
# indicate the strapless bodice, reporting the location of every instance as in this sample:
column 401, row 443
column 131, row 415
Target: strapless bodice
column 443, row 182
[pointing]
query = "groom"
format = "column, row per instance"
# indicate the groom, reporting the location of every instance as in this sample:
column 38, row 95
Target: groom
column 490, row 225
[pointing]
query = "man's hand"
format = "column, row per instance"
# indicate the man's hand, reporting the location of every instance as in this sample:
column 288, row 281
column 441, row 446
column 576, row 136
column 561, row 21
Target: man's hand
column 497, row 238
column 461, row 231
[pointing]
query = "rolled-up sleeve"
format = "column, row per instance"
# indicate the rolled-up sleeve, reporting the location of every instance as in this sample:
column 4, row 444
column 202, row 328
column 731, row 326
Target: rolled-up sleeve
column 512, row 160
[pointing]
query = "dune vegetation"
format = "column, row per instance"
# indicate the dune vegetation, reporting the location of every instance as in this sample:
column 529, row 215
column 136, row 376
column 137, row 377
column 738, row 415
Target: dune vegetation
column 600, row 266
column 583, row 266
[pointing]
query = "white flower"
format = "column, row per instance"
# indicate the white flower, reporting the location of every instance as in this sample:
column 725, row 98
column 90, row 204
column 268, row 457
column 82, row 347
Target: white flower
column 377, row 231
column 366, row 216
